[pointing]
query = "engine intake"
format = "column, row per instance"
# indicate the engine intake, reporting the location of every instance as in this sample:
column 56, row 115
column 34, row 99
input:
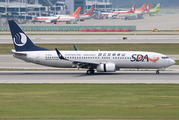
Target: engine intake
column 106, row 68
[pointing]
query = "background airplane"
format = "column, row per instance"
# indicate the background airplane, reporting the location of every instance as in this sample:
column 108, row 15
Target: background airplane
column 59, row 18
column 147, row 8
column 141, row 10
column 156, row 9
column 87, row 15
column 102, row 61
column 127, row 13
column 119, row 13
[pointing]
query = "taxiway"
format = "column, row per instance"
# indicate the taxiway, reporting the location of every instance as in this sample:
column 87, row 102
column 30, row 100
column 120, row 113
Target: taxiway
column 55, row 77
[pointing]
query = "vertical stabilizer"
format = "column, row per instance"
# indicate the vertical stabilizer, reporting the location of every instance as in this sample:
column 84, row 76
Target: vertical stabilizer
column 133, row 8
column 142, row 8
column 21, row 40
column 77, row 12
column 156, row 9
column 90, row 11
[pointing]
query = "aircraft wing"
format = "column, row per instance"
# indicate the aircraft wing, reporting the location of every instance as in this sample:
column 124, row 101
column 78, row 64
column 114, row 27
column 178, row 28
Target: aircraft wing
column 78, row 63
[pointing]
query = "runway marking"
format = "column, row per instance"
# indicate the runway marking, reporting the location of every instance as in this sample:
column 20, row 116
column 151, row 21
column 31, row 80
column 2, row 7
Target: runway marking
column 74, row 81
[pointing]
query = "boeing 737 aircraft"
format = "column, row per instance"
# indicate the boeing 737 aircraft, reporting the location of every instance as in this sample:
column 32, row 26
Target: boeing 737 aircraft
column 101, row 61
column 59, row 18
column 87, row 15
column 119, row 13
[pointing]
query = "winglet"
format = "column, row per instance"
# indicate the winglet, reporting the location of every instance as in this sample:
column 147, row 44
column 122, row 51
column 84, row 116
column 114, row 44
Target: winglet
column 76, row 49
column 59, row 55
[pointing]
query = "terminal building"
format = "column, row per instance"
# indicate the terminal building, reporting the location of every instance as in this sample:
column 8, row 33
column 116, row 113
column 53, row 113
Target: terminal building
column 14, row 7
column 104, row 5
column 29, row 9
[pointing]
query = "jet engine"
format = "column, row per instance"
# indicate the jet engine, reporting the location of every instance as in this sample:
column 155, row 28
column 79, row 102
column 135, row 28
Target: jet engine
column 106, row 67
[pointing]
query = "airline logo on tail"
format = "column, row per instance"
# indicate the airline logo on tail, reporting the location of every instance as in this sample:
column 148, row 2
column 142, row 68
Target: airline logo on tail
column 133, row 8
column 20, row 39
column 91, row 10
column 149, row 6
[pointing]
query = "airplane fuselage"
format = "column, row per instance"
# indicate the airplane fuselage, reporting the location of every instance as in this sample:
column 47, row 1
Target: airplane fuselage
column 121, row 59
column 59, row 18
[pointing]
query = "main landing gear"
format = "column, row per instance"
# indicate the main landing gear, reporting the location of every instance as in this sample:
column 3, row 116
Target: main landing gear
column 90, row 71
column 157, row 72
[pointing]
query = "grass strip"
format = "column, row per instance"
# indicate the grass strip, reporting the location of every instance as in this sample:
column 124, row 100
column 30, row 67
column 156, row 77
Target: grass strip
column 164, row 48
column 89, row 101
column 177, row 62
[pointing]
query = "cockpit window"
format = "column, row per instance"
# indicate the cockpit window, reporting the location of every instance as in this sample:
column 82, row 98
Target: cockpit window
column 164, row 57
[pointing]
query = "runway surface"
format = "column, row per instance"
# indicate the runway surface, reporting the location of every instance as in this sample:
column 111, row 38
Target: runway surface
column 171, row 75
column 55, row 77
column 96, row 39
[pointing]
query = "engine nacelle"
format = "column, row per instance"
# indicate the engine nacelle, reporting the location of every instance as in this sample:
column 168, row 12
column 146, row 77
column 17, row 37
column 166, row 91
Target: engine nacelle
column 106, row 68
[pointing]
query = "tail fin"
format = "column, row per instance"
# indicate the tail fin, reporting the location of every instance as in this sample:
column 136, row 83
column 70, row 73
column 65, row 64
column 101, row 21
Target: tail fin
column 157, row 7
column 148, row 7
column 90, row 11
column 133, row 8
column 142, row 8
column 77, row 12
column 21, row 40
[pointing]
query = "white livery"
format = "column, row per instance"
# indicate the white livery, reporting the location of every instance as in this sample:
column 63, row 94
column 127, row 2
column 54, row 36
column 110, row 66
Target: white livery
column 101, row 61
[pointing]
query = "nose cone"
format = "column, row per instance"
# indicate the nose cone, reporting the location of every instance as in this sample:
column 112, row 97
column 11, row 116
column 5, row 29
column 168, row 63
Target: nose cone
column 172, row 62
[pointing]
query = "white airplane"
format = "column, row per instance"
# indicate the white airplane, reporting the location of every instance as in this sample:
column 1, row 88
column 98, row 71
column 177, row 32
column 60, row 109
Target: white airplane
column 59, row 18
column 87, row 15
column 101, row 61
column 120, row 13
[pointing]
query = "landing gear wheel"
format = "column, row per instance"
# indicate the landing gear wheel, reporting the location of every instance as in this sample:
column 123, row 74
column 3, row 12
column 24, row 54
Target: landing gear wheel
column 157, row 72
column 89, row 72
